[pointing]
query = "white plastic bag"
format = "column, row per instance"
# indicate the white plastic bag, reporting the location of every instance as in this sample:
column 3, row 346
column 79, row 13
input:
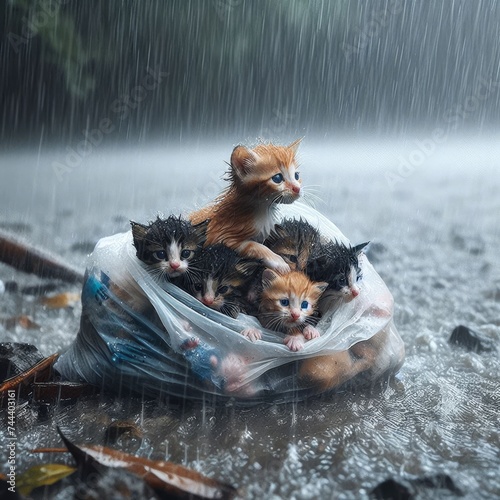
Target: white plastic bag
column 189, row 350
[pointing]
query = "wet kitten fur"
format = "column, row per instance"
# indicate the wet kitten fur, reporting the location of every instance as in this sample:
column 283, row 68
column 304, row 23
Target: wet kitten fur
column 220, row 278
column 338, row 265
column 167, row 246
column 296, row 241
column 259, row 179
column 288, row 304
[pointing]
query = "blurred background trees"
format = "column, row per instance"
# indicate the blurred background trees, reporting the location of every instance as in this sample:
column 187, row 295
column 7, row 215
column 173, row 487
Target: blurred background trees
column 249, row 66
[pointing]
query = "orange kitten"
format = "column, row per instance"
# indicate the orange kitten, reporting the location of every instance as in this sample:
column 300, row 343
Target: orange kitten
column 288, row 305
column 259, row 179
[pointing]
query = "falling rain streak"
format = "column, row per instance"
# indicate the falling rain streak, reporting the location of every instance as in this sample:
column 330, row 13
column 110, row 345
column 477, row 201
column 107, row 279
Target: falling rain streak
column 119, row 110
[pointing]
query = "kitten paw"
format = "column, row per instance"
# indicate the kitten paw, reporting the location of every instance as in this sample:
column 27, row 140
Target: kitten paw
column 278, row 264
column 310, row 332
column 294, row 342
column 186, row 325
column 233, row 370
column 252, row 334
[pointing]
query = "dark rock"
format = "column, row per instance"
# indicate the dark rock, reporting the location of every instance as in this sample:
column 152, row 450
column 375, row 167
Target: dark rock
column 11, row 286
column 438, row 481
column 471, row 339
column 415, row 487
column 16, row 358
column 390, row 489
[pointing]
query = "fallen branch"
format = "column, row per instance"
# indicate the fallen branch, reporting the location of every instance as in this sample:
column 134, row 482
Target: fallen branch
column 26, row 258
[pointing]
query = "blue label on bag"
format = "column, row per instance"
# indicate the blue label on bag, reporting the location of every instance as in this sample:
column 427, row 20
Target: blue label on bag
column 94, row 288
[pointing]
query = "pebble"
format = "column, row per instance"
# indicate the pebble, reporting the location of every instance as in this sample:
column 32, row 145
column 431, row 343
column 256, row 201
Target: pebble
column 470, row 339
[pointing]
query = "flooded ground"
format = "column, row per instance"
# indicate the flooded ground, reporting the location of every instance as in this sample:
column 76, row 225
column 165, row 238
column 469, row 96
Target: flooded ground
column 430, row 209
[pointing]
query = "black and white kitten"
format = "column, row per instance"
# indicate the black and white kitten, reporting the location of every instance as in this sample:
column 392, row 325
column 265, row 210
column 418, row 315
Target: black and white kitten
column 168, row 246
column 338, row 265
column 220, row 279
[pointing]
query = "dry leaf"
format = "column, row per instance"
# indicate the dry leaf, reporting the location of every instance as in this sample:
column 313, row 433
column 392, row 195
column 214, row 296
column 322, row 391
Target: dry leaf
column 167, row 477
column 60, row 300
column 42, row 475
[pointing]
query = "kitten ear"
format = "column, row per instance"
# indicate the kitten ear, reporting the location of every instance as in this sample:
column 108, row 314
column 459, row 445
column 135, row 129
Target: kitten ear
column 295, row 144
column 280, row 231
column 200, row 230
column 268, row 276
column 139, row 231
column 247, row 267
column 359, row 248
column 243, row 159
column 321, row 286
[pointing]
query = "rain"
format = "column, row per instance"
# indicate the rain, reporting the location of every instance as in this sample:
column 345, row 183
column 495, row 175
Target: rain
column 117, row 111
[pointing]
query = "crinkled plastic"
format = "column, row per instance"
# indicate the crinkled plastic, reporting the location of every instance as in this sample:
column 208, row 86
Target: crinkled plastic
column 188, row 350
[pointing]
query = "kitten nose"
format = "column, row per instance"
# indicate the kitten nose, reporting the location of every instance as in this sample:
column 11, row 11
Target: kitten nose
column 296, row 188
column 295, row 314
column 354, row 291
column 175, row 264
column 207, row 300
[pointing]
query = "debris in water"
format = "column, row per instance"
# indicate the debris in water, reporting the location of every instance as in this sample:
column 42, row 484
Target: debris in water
column 26, row 258
column 16, row 358
column 471, row 339
column 42, row 475
column 162, row 476
column 61, row 300
column 23, row 321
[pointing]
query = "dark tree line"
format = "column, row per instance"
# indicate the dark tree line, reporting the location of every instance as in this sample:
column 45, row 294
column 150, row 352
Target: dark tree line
column 220, row 65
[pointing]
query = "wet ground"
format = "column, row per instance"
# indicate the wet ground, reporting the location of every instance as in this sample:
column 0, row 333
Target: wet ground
column 431, row 211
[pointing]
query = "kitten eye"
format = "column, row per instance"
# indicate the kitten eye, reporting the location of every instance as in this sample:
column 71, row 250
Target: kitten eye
column 185, row 254
column 359, row 277
column 198, row 287
column 160, row 255
column 304, row 304
column 297, row 176
column 293, row 259
column 341, row 281
column 222, row 289
column 278, row 178
column 284, row 302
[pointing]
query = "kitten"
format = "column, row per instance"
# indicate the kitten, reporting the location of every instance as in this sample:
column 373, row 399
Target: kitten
column 296, row 241
column 259, row 179
column 338, row 265
column 167, row 246
column 288, row 305
column 220, row 279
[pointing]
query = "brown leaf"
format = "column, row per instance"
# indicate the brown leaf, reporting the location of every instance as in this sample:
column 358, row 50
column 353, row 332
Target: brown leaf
column 60, row 300
column 162, row 476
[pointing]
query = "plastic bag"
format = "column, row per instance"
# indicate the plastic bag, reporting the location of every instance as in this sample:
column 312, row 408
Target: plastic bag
column 186, row 349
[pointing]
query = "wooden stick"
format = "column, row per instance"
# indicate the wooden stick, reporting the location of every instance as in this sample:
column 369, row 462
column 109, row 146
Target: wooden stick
column 25, row 257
